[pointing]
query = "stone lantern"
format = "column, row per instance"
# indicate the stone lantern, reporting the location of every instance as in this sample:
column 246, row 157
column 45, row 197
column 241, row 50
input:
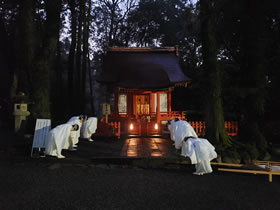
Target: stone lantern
column 20, row 113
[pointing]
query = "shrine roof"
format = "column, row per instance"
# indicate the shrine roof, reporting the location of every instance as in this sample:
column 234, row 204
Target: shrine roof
column 142, row 68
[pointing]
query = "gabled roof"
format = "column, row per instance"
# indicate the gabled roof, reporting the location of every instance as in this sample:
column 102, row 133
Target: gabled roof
column 144, row 68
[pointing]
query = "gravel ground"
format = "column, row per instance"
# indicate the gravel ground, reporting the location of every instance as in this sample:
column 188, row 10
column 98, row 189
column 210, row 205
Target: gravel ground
column 50, row 183
column 38, row 185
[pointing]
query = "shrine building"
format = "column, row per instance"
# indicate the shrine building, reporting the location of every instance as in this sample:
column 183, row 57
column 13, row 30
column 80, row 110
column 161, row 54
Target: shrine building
column 143, row 79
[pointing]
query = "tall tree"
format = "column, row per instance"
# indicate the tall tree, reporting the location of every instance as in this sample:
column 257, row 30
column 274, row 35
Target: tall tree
column 6, row 57
column 215, row 126
column 58, row 90
column 253, row 72
column 85, row 58
column 41, row 75
column 71, row 57
column 7, row 65
column 78, row 74
column 110, row 17
column 27, row 47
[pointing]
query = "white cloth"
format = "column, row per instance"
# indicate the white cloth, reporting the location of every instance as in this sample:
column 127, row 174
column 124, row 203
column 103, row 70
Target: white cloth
column 89, row 127
column 182, row 129
column 74, row 137
column 169, row 125
column 273, row 168
column 172, row 128
column 200, row 152
column 57, row 138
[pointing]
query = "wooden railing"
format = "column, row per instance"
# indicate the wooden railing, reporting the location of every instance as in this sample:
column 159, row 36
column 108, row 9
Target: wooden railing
column 172, row 115
column 164, row 116
column 199, row 127
column 113, row 128
column 109, row 129
column 231, row 128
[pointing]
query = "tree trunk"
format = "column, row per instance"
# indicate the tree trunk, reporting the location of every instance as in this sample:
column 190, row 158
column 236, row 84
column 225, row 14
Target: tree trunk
column 71, row 58
column 6, row 62
column 86, row 21
column 41, row 73
column 26, row 40
column 253, row 72
column 59, row 93
column 88, row 65
column 91, row 88
column 214, row 116
column 112, row 9
column 79, row 54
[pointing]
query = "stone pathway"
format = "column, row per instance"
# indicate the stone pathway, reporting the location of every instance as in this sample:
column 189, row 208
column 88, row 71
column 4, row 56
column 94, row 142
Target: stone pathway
column 101, row 148
column 147, row 147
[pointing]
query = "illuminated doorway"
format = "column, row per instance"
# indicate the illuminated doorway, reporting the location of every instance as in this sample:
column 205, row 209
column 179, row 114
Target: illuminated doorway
column 143, row 104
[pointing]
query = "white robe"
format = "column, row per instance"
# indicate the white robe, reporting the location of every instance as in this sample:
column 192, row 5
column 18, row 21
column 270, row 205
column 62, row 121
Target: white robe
column 57, row 138
column 74, row 137
column 172, row 128
column 182, row 129
column 89, row 127
column 200, row 152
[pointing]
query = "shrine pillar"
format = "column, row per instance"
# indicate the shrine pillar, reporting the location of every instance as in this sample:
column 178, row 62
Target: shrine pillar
column 129, row 111
column 128, row 98
column 169, row 100
column 152, row 103
column 158, row 108
column 134, row 107
column 116, row 103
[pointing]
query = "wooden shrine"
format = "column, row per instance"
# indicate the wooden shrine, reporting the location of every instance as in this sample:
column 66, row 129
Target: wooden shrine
column 142, row 79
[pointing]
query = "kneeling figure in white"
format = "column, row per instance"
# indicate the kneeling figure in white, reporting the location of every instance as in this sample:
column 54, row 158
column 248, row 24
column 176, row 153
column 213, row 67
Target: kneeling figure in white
column 171, row 127
column 182, row 130
column 74, row 137
column 201, row 152
column 58, row 138
column 88, row 128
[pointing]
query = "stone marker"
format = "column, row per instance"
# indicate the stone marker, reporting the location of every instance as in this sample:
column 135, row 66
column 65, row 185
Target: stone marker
column 20, row 113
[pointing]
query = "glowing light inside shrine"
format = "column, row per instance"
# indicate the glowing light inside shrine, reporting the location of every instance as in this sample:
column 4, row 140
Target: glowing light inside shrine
column 156, row 126
column 131, row 126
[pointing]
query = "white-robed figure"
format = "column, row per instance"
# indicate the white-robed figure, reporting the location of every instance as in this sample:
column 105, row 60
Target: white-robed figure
column 172, row 129
column 183, row 129
column 58, row 138
column 74, row 137
column 89, row 127
column 200, row 152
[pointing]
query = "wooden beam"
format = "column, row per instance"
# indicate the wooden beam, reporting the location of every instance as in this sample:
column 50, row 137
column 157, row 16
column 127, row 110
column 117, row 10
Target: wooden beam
column 140, row 91
column 227, row 164
column 169, row 100
column 151, row 103
column 270, row 163
column 269, row 173
column 134, row 106
column 177, row 50
column 141, row 49
column 116, row 102
column 129, row 105
column 158, row 107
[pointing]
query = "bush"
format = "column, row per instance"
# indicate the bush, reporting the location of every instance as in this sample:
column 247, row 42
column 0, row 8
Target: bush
column 245, row 157
column 231, row 155
column 253, row 151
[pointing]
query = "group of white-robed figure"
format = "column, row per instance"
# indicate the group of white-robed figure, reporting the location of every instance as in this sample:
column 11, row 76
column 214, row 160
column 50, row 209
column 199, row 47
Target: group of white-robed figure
column 199, row 150
column 66, row 136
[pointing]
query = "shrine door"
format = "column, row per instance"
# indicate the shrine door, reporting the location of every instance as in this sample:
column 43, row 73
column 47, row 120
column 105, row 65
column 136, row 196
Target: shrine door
column 143, row 104
column 142, row 109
